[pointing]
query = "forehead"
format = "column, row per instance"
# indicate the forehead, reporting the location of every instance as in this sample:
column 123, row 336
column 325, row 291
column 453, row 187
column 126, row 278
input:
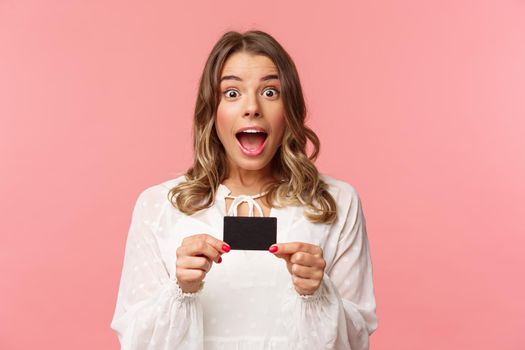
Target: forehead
column 248, row 65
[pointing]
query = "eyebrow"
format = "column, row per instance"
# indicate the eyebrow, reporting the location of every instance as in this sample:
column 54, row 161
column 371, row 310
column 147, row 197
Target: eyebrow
column 265, row 78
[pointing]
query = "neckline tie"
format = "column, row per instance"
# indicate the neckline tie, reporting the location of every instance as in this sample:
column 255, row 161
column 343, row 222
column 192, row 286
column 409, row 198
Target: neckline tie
column 237, row 200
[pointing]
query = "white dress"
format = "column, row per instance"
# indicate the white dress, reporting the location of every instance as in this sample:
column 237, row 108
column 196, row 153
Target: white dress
column 248, row 300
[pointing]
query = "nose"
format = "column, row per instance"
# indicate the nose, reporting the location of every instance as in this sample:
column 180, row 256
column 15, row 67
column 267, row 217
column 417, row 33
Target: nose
column 252, row 107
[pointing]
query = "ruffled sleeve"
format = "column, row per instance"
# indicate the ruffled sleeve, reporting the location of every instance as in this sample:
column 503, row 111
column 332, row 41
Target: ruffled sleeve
column 341, row 314
column 151, row 311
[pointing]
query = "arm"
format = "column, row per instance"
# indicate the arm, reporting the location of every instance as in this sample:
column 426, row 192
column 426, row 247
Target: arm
column 351, row 275
column 152, row 312
column 340, row 314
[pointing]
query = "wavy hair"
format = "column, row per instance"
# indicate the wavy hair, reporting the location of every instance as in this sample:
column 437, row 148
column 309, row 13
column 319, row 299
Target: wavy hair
column 298, row 182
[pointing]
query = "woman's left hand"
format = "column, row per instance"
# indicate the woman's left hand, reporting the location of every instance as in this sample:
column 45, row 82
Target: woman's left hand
column 305, row 263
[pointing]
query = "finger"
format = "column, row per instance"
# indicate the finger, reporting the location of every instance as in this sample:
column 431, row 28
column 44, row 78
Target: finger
column 194, row 262
column 306, row 272
column 285, row 257
column 219, row 245
column 307, row 259
column 218, row 260
column 294, row 247
column 305, row 286
column 190, row 275
column 200, row 248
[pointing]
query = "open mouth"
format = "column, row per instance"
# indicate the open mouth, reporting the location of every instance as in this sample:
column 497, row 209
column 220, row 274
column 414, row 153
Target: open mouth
column 251, row 140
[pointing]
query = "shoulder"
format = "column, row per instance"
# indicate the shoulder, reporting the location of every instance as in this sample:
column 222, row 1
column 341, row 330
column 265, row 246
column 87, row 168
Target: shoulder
column 339, row 188
column 158, row 193
column 349, row 206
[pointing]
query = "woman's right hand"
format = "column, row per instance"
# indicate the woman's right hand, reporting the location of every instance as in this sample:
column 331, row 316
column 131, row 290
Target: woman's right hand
column 194, row 258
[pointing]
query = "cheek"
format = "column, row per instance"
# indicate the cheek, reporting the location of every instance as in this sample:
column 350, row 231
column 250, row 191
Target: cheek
column 222, row 123
column 279, row 126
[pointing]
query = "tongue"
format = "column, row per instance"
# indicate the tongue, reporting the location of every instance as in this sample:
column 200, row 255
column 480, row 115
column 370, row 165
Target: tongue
column 251, row 141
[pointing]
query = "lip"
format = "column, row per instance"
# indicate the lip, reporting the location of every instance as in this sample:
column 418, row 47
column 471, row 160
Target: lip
column 255, row 127
column 255, row 152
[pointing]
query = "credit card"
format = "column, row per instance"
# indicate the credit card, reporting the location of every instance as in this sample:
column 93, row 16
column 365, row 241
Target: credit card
column 250, row 232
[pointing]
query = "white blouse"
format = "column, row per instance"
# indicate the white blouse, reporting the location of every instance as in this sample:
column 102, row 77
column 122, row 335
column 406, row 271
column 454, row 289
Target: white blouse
column 248, row 300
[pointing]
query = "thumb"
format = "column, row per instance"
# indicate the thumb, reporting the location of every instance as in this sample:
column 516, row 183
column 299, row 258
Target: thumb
column 285, row 257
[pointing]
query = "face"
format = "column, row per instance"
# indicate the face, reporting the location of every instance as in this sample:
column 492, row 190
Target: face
column 250, row 116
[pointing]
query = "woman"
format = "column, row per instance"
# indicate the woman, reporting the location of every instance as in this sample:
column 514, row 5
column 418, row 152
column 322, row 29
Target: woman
column 183, row 287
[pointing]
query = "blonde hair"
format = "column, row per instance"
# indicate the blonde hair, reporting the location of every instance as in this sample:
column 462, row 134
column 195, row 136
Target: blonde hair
column 299, row 181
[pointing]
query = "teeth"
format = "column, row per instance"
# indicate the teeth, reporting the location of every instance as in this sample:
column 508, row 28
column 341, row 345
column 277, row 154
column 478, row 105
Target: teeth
column 251, row 131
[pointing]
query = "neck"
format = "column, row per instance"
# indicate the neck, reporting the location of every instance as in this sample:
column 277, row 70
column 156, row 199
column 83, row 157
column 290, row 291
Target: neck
column 250, row 182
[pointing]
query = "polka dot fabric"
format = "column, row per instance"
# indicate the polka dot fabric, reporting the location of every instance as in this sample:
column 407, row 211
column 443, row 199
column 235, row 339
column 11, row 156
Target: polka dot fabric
column 248, row 301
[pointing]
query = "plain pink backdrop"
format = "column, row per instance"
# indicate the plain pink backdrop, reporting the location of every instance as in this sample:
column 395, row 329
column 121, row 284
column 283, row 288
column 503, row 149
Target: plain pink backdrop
column 419, row 104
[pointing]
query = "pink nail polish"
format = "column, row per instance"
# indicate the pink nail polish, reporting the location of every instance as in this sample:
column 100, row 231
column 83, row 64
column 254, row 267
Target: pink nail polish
column 273, row 249
column 226, row 248
column 219, row 260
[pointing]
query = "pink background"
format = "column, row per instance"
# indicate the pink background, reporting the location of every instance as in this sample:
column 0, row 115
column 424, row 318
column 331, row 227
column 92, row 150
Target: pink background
column 419, row 104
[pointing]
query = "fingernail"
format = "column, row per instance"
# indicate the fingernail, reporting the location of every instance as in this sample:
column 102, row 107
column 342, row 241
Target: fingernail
column 226, row 248
column 219, row 260
column 273, row 248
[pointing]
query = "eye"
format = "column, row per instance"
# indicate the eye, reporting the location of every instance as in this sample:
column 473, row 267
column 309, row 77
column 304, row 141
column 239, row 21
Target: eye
column 274, row 93
column 230, row 93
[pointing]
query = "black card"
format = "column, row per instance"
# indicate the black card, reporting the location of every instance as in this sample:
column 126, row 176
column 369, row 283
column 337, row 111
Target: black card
column 250, row 232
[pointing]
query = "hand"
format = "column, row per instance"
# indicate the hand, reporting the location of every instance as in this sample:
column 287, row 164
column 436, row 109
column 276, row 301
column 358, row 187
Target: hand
column 305, row 263
column 194, row 258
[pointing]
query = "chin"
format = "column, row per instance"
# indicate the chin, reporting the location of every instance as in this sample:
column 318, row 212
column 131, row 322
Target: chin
column 252, row 165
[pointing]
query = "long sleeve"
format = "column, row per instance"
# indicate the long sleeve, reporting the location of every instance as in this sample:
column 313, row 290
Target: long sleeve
column 151, row 311
column 341, row 314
